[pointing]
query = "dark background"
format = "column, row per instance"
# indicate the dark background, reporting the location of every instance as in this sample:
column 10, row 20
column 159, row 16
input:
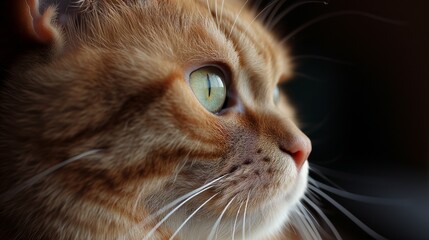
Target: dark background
column 362, row 94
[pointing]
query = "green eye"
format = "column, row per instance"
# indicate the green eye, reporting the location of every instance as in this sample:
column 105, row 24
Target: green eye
column 208, row 85
column 276, row 95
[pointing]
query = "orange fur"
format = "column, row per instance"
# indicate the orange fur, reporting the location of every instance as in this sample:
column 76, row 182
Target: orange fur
column 116, row 81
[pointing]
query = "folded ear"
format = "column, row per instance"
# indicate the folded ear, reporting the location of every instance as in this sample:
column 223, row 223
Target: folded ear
column 35, row 25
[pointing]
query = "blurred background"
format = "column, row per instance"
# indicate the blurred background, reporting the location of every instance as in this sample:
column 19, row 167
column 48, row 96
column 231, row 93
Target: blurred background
column 362, row 94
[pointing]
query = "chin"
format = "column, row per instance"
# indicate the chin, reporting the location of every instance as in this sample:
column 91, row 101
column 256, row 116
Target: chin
column 273, row 219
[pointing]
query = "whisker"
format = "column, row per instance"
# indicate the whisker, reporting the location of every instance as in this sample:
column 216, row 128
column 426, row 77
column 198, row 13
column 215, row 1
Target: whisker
column 319, row 229
column 269, row 9
column 216, row 16
column 221, row 10
column 358, row 222
column 316, row 57
column 313, row 219
column 190, row 216
column 244, row 216
column 303, row 75
column 300, row 226
column 346, row 175
column 262, row 11
column 274, row 22
column 208, row 6
column 135, row 205
column 180, row 199
column 310, row 225
column 235, row 221
column 314, row 198
column 152, row 231
column 337, row 14
column 236, row 18
column 275, row 10
column 6, row 196
column 216, row 225
column 334, row 159
column 257, row 4
column 308, row 129
column 310, row 234
column 324, row 217
column 320, row 174
column 179, row 169
column 358, row 197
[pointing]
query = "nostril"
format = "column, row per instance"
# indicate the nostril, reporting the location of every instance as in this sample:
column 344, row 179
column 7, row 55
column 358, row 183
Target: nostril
column 299, row 149
column 285, row 150
column 297, row 156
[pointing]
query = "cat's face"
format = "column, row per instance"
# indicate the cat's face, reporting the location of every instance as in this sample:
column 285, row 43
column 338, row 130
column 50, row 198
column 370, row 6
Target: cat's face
column 171, row 97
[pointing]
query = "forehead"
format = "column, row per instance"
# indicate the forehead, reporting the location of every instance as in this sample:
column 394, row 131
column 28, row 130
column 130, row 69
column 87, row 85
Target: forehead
column 186, row 33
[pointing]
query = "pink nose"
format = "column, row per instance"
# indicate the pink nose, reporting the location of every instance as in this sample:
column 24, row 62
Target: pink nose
column 299, row 147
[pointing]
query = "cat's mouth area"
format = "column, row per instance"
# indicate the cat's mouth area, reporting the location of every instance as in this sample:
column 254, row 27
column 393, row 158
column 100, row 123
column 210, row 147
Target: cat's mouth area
column 257, row 184
column 262, row 182
column 264, row 187
column 259, row 211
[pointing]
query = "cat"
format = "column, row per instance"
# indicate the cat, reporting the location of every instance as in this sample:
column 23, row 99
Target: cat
column 148, row 119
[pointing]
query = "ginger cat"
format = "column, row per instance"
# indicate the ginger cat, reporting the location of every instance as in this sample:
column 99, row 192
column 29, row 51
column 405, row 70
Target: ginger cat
column 148, row 119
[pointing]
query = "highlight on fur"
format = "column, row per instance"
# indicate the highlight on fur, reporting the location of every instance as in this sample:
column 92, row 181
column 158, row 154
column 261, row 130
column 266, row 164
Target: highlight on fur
column 101, row 136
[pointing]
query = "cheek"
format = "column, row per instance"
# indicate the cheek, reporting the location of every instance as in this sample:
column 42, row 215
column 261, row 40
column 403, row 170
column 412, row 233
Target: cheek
column 168, row 132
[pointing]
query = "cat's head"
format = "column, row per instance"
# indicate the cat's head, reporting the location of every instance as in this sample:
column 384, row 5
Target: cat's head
column 126, row 106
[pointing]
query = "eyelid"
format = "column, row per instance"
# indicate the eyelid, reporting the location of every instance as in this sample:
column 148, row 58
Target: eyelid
column 283, row 78
column 223, row 67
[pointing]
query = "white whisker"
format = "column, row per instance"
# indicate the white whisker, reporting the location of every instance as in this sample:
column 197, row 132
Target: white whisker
column 235, row 221
column 320, row 174
column 179, row 169
column 262, row 11
column 275, row 10
column 221, row 10
column 216, row 16
column 300, row 226
column 324, row 217
column 214, row 230
column 358, row 222
column 344, row 175
column 310, row 215
column 268, row 9
column 303, row 75
column 357, row 197
column 309, row 223
column 236, row 18
column 278, row 18
column 244, row 216
column 152, row 231
column 183, row 198
column 208, row 6
column 190, row 216
column 142, row 190
column 323, row 58
column 30, row 182
column 337, row 14
column 257, row 5
column 178, row 200
column 314, row 127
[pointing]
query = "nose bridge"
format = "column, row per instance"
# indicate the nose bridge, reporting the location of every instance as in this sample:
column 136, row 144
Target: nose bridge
column 290, row 139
